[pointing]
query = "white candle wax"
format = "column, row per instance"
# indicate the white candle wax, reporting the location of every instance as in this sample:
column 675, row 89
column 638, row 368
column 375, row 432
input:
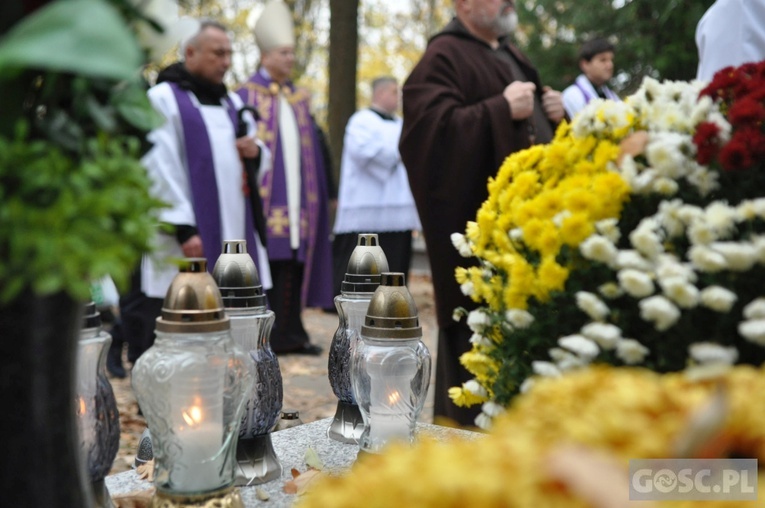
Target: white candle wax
column 198, row 466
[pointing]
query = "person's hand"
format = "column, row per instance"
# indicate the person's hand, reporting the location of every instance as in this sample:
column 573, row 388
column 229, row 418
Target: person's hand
column 192, row 248
column 552, row 103
column 520, row 96
column 247, row 147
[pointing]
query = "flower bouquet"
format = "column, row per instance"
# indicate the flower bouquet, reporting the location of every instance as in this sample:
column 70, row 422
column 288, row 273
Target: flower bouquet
column 636, row 237
column 566, row 443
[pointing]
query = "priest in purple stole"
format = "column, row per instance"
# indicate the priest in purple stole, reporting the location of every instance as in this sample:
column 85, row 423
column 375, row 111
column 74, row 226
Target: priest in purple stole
column 196, row 167
column 294, row 192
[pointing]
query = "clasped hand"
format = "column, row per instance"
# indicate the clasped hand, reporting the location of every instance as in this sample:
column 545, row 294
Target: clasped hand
column 520, row 96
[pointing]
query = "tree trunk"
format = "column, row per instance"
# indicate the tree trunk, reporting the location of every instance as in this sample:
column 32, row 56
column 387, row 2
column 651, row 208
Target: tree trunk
column 343, row 59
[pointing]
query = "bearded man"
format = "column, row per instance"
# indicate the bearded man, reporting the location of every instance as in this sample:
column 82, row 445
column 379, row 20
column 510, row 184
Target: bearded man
column 472, row 100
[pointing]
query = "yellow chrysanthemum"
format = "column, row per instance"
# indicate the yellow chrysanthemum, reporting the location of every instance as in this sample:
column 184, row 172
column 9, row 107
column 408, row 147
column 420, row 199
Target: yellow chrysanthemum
column 616, row 414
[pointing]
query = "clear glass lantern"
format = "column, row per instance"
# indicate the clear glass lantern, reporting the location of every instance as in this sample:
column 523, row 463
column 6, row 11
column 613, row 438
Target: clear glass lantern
column 98, row 418
column 390, row 369
column 251, row 322
column 362, row 277
column 191, row 386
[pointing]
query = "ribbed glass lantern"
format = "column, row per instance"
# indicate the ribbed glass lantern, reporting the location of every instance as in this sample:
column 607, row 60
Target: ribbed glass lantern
column 362, row 277
column 251, row 321
column 98, row 417
column 390, row 369
column 191, row 386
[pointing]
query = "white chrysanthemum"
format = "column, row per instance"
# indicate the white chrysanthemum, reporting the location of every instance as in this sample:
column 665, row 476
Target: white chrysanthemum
column 609, row 228
column 746, row 210
column 606, row 335
column 560, row 217
column 461, row 244
column 659, row 311
column 580, row 345
column 643, row 181
column 636, row 283
column 753, row 331
column 545, row 369
column 477, row 320
column 705, row 259
column 703, row 179
column 669, row 266
column 701, row 233
column 739, row 256
column 718, row 298
column 630, row 258
column 646, row 241
column 758, row 242
column 631, row 351
column 599, row 248
column 601, row 118
column 483, row 421
column 527, row 385
column 628, row 169
column 709, row 352
column 516, row 234
column 492, row 409
column 666, row 153
column 566, row 360
column 679, row 291
column 467, row 288
column 475, row 388
column 610, row 290
column 759, row 207
column 519, row 318
column 481, row 340
column 592, row 305
column 721, row 217
column 755, row 309
column 690, row 214
column 669, row 217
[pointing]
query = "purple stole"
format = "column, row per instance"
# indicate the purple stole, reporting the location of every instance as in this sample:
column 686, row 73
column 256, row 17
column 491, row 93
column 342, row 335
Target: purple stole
column 204, row 189
column 314, row 250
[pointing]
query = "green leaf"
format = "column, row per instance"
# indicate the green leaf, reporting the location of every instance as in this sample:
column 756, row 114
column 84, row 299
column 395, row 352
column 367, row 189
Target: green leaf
column 80, row 36
column 133, row 104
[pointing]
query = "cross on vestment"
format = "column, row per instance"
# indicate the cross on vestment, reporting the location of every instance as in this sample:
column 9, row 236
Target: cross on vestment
column 278, row 221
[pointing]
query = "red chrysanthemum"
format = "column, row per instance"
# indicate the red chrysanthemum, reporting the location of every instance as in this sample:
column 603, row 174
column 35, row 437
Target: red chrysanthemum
column 707, row 142
column 735, row 155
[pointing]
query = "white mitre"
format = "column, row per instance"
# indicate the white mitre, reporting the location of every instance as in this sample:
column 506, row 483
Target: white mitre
column 274, row 28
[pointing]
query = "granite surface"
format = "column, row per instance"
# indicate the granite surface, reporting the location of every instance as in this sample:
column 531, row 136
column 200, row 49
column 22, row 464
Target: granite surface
column 291, row 446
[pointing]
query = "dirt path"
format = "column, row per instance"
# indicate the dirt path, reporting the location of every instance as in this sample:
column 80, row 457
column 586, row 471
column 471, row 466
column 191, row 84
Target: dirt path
column 306, row 386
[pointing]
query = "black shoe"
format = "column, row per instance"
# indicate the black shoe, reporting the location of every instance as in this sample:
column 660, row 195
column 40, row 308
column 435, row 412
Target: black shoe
column 305, row 349
column 114, row 363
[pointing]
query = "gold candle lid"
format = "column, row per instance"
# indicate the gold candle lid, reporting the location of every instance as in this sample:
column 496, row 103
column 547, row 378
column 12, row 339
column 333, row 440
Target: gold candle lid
column 193, row 303
column 392, row 313
column 365, row 266
column 237, row 277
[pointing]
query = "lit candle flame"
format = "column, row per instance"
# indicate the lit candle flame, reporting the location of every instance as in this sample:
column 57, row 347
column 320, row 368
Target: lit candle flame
column 193, row 416
column 81, row 407
column 394, row 397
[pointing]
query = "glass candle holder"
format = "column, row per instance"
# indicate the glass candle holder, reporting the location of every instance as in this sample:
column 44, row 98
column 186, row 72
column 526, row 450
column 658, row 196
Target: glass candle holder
column 362, row 277
column 251, row 322
column 98, row 417
column 390, row 369
column 191, row 386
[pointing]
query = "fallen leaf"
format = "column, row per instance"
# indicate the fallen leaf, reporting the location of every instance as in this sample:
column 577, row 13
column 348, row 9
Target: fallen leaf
column 300, row 483
column 312, row 459
column 261, row 494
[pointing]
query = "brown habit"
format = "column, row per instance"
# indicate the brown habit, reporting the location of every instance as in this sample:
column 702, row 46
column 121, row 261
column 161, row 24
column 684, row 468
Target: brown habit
column 457, row 132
